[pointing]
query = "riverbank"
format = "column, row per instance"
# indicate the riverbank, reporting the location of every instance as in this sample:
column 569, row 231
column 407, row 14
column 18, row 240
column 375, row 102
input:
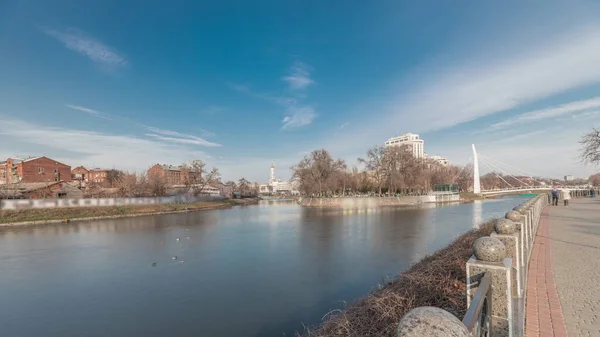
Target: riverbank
column 373, row 202
column 437, row 280
column 40, row 216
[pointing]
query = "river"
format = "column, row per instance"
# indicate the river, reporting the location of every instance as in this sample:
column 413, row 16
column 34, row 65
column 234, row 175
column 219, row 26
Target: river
column 261, row 270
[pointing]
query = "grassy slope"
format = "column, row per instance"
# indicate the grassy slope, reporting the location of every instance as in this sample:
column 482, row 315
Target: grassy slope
column 437, row 280
column 42, row 214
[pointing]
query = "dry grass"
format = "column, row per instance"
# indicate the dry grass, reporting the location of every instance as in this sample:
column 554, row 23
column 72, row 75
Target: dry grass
column 437, row 280
column 42, row 214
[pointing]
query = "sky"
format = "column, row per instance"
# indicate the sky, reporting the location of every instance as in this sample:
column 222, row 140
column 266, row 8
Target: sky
column 241, row 85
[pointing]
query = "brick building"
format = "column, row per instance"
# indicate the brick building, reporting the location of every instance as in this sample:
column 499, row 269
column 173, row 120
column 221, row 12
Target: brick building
column 80, row 173
column 33, row 170
column 102, row 177
column 174, row 175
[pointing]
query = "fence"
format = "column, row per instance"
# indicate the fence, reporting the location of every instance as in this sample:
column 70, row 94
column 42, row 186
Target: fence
column 13, row 204
column 496, row 280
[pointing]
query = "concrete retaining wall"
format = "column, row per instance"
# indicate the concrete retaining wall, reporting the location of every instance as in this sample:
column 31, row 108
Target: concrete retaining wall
column 372, row 202
column 51, row 203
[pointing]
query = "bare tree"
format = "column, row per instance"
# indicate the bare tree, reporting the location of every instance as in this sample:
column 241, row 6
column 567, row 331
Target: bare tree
column 132, row 184
column 374, row 165
column 595, row 179
column 195, row 176
column 590, row 142
column 157, row 185
column 243, row 185
column 315, row 172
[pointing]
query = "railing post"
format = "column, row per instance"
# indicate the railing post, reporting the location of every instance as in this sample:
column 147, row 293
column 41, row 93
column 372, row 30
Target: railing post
column 517, row 218
column 430, row 321
column 490, row 256
column 505, row 231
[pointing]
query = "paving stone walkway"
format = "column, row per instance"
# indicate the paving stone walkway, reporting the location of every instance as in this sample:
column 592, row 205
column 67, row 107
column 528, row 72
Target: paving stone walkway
column 563, row 290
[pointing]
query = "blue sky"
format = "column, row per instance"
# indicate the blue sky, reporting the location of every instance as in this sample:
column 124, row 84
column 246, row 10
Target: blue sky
column 243, row 84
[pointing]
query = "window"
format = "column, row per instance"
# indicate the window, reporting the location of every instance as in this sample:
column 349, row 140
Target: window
column 55, row 171
column 40, row 170
column 56, row 178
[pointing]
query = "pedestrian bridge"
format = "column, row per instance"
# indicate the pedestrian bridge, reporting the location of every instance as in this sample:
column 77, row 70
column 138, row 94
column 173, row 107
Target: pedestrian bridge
column 523, row 186
column 532, row 189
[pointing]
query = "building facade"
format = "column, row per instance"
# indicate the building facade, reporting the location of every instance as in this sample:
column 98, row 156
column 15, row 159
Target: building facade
column 80, row 174
column 410, row 139
column 277, row 185
column 440, row 160
column 175, row 175
column 33, row 170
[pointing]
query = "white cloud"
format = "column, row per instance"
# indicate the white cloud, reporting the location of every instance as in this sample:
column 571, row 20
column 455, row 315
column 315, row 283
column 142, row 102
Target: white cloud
column 298, row 116
column 344, row 125
column 82, row 147
column 181, row 138
column 547, row 113
column 89, row 111
column 299, row 76
column 84, row 44
column 468, row 91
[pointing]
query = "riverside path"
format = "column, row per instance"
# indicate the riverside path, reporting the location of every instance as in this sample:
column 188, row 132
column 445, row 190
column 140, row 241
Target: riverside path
column 563, row 290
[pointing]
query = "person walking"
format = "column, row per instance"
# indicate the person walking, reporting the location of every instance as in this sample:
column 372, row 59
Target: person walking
column 566, row 196
column 555, row 193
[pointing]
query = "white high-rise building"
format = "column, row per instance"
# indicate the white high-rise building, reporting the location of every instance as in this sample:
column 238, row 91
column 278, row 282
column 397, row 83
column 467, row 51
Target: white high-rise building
column 411, row 140
column 440, row 160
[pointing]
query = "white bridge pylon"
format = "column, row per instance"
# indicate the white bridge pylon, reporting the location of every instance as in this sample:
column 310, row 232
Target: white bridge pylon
column 476, row 181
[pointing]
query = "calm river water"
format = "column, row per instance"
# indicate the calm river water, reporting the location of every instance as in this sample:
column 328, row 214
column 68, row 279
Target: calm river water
column 249, row 271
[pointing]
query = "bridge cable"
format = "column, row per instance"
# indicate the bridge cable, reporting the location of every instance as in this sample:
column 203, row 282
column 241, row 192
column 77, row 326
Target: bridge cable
column 484, row 163
column 508, row 174
column 510, row 166
column 464, row 167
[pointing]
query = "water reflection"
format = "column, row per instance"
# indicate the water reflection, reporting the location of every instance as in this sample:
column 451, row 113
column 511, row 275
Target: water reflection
column 477, row 213
column 249, row 271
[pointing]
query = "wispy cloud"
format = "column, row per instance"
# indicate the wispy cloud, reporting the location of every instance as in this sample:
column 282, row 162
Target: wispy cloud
column 181, row 138
column 468, row 91
column 299, row 76
column 344, row 125
column 552, row 112
column 80, row 42
column 94, row 148
column 89, row 111
column 298, row 116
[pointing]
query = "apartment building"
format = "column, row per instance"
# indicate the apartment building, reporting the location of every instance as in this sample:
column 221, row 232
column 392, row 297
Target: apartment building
column 410, row 139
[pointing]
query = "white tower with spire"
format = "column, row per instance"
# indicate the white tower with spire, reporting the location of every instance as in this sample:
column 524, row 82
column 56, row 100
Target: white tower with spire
column 476, row 181
column 272, row 176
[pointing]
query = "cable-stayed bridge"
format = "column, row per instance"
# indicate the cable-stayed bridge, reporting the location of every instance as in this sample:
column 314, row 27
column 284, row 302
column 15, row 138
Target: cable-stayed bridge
column 513, row 179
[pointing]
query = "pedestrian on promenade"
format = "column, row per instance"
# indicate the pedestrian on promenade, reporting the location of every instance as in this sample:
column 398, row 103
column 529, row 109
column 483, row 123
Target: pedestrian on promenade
column 555, row 193
column 592, row 192
column 566, row 196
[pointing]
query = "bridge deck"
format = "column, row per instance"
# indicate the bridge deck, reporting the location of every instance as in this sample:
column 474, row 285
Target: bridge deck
column 563, row 290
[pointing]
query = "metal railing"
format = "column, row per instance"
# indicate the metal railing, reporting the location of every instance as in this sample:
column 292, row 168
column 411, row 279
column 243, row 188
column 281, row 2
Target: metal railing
column 478, row 318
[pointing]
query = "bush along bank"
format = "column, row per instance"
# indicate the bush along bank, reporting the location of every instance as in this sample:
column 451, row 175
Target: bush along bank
column 438, row 280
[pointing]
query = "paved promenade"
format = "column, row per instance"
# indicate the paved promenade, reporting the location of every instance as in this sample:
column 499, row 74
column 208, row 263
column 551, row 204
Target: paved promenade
column 563, row 290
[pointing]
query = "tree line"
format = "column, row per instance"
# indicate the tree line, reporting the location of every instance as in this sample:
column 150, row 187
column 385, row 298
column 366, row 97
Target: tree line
column 386, row 170
column 195, row 180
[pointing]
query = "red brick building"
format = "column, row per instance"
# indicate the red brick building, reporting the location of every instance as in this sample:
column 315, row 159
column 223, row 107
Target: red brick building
column 174, row 175
column 80, row 173
column 103, row 177
column 33, row 170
